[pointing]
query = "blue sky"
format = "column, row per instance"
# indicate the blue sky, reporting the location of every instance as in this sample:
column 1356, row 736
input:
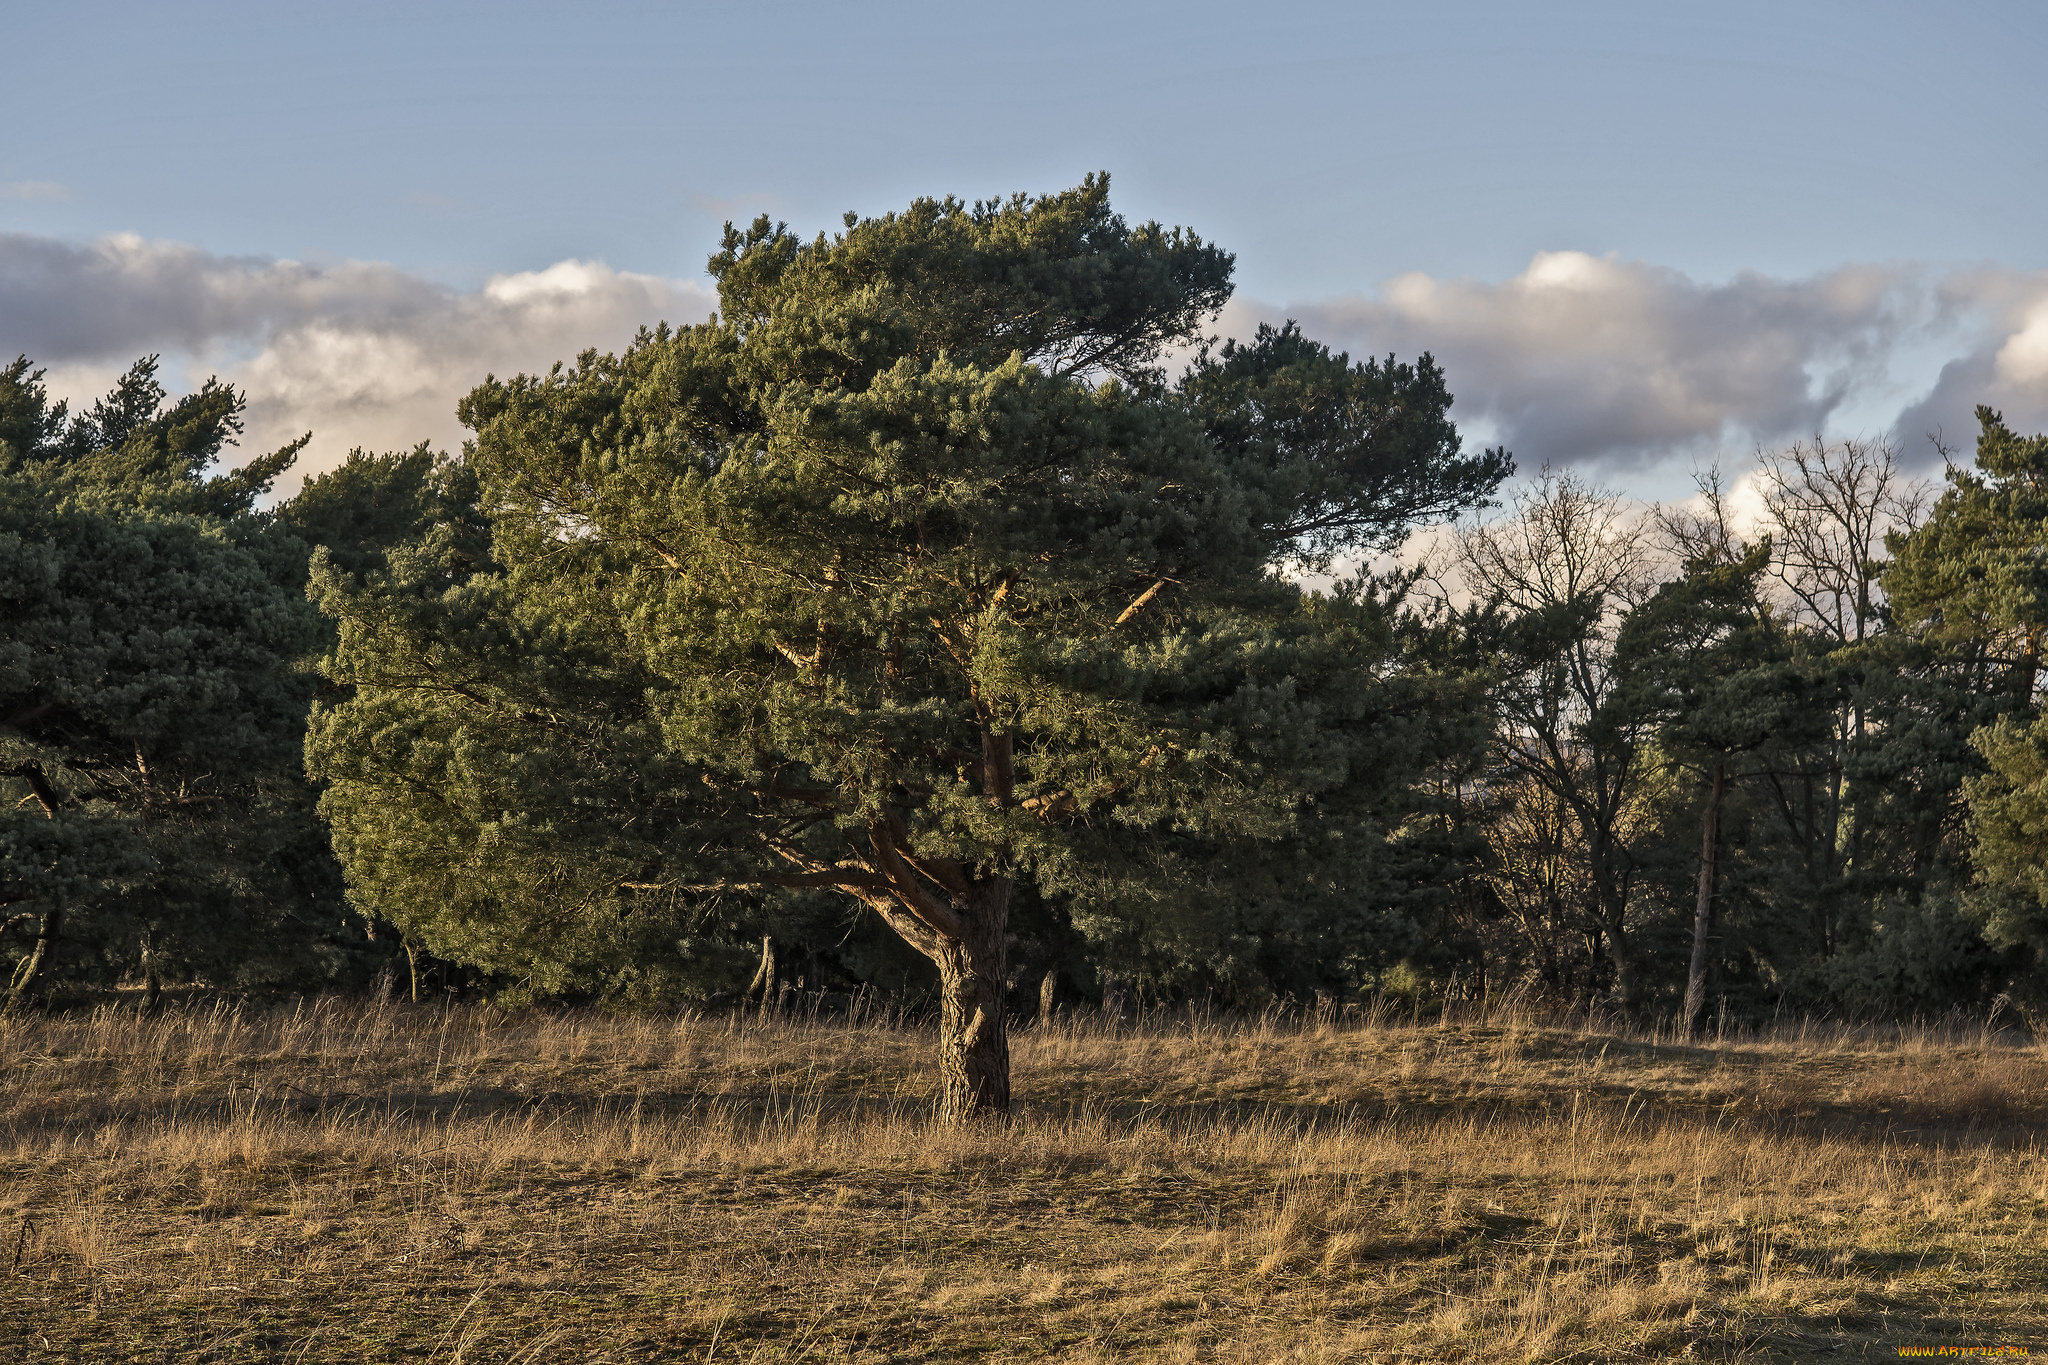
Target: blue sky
column 1809, row 214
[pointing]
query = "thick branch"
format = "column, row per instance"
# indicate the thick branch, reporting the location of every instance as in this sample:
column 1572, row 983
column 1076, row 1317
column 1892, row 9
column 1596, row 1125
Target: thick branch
column 946, row 872
column 800, row 660
column 1051, row 806
column 845, row 879
column 1009, row 580
column 908, row 927
column 948, row 643
column 1143, row 598
column 32, row 773
column 941, row 919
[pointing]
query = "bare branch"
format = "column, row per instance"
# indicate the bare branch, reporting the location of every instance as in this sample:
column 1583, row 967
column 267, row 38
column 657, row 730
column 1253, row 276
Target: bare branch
column 39, row 786
column 1143, row 598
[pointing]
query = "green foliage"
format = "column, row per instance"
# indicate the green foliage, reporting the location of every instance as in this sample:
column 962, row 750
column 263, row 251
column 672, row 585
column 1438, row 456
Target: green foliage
column 905, row 576
column 1348, row 454
column 540, row 771
column 906, row 611
column 1059, row 279
column 1707, row 659
column 132, row 450
column 1972, row 581
column 1972, row 585
column 2009, row 820
column 150, row 703
column 369, row 504
column 1924, row 956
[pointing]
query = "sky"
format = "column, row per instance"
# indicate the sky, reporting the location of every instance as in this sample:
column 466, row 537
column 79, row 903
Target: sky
column 1643, row 239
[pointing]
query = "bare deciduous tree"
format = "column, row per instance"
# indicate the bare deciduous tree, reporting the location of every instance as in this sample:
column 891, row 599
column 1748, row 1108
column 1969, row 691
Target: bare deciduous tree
column 1567, row 564
column 1829, row 506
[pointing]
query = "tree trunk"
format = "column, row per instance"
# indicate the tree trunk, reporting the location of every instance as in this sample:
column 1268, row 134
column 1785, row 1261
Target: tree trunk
column 1048, row 995
column 974, row 1037
column 1703, row 909
column 764, row 978
column 28, row 976
column 1610, row 920
column 1628, row 981
column 152, row 979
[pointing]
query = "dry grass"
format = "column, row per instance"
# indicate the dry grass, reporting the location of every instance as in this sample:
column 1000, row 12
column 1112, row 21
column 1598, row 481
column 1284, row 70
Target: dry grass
column 351, row 1182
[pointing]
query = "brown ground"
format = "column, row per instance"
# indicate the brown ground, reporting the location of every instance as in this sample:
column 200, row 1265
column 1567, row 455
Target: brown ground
column 347, row 1182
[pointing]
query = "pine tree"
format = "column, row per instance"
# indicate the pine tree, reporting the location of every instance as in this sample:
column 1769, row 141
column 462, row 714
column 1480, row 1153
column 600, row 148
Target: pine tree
column 907, row 576
column 150, row 703
column 1973, row 583
column 1708, row 660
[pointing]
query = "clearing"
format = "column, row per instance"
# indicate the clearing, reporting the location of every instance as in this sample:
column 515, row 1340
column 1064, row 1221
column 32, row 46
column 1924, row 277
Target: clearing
column 345, row 1181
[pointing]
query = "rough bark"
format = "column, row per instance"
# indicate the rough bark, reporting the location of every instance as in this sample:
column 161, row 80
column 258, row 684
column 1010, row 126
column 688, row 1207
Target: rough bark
column 1048, row 995
column 1628, row 980
column 974, row 1038
column 764, row 977
column 28, row 976
column 1703, row 908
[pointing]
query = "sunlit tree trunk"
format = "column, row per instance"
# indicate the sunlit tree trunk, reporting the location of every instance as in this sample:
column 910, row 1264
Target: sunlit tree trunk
column 764, row 978
column 974, row 1036
column 28, row 976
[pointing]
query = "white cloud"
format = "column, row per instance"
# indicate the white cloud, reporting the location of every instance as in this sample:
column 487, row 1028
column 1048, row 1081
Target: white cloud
column 2004, row 364
column 1586, row 358
column 2023, row 359
column 1579, row 359
column 359, row 352
column 47, row 191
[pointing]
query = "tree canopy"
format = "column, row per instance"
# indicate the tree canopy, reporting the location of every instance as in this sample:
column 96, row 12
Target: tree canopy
column 150, row 698
column 933, row 613
column 906, row 576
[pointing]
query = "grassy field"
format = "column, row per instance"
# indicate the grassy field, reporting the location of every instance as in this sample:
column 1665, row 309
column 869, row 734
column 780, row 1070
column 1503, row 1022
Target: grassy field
column 344, row 1182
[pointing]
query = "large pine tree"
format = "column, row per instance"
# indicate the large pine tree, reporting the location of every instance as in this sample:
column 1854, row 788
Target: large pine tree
column 907, row 576
column 1974, row 583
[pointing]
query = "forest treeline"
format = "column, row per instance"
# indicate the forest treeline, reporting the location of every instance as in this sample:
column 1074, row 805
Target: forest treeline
column 911, row 614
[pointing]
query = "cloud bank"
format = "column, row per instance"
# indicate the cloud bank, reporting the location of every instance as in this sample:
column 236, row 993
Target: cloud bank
column 360, row 353
column 2006, row 365
column 1579, row 360
column 1585, row 360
